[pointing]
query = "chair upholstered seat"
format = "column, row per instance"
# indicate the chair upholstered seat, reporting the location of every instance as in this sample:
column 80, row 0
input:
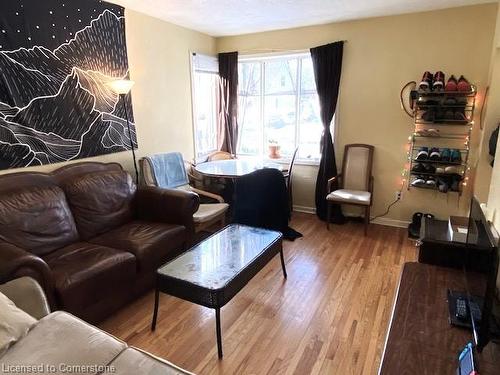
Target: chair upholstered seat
column 350, row 196
column 208, row 212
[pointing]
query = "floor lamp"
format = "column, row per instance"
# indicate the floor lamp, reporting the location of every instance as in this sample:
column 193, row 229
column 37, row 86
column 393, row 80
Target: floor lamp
column 122, row 87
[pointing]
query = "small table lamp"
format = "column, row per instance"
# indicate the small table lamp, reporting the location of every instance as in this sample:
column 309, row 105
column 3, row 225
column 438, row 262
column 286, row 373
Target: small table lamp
column 123, row 87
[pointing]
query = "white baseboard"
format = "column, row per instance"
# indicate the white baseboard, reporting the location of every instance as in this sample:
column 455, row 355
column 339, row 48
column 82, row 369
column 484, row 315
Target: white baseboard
column 391, row 222
column 380, row 221
column 305, row 209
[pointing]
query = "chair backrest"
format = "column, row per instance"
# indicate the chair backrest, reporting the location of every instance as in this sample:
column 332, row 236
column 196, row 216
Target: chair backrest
column 292, row 162
column 219, row 155
column 167, row 170
column 357, row 167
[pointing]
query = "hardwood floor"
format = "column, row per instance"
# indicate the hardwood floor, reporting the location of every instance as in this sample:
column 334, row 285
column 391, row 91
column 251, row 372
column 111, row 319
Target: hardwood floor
column 329, row 317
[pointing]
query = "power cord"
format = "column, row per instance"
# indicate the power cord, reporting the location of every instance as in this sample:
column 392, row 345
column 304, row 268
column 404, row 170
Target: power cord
column 388, row 208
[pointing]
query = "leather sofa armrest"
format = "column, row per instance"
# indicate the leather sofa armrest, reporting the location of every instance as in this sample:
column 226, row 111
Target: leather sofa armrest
column 16, row 262
column 167, row 205
column 28, row 295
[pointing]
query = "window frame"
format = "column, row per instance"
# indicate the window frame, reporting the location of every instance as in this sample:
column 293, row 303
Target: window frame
column 299, row 55
column 200, row 157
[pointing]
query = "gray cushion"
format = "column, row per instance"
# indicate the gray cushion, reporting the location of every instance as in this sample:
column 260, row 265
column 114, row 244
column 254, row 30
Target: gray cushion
column 14, row 324
column 28, row 295
column 59, row 340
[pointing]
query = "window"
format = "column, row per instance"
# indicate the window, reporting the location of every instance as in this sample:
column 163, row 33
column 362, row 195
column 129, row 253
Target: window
column 205, row 77
column 277, row 102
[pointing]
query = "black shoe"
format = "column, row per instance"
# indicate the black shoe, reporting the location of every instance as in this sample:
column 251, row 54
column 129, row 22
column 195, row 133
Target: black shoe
column 423, row 153
column 419, row 168
column 429, row 168
column 443, row 184
column 414, row 226
column 418, row 181
column 431, row 181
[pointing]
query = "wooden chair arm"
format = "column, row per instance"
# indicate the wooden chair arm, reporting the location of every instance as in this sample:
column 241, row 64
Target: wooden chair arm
column 217, row 197
column 331, row 181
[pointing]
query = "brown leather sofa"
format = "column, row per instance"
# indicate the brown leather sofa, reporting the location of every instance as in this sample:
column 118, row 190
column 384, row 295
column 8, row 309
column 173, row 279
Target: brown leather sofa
column 88, row 235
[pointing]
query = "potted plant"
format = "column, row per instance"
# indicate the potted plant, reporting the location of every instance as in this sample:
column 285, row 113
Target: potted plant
column 274, row 149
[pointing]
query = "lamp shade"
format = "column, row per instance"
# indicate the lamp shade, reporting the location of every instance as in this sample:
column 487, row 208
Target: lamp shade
column 121, row 86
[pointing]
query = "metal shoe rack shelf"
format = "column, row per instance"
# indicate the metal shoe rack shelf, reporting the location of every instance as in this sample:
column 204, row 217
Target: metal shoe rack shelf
column 441, row 131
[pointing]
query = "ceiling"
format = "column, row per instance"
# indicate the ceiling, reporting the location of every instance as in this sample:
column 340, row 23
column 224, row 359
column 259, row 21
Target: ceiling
column 232, row 17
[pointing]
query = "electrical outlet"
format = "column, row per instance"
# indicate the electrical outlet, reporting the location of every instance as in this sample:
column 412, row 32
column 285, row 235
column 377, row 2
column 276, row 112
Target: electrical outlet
column 398, row 195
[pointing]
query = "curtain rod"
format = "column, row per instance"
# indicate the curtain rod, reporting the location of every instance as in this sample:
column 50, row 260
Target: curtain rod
column 280, row 49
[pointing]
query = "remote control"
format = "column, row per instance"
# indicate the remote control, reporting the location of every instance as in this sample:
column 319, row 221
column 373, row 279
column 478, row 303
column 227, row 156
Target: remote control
column 461, row 309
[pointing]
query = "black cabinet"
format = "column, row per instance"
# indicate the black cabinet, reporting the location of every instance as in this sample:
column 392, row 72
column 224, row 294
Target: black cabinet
column 436, row 247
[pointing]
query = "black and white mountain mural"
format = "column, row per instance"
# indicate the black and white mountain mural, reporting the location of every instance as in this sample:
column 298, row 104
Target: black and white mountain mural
column 56, row 58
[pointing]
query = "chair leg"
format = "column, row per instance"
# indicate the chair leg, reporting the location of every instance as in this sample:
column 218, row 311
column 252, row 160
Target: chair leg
column 367, row 219
column 328, row 214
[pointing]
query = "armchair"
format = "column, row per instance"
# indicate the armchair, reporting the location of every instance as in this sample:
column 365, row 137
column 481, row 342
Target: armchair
column 355, row 184
column 167, row 171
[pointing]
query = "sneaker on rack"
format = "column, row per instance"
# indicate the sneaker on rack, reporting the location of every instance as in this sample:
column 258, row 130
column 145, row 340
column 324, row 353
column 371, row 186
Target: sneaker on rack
column 431, row 181
column 451, row 85
column 434, row 154
column 445, row 154
column 418, row 168
column 426, row 83
column 429, row 168
column 463, row 84
column 456, row 156
column 423, row 153
column 438, row 81
column 418, row 181
column 443, row 184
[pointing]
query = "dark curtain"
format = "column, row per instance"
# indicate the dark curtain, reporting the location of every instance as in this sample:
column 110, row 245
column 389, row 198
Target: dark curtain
column 327, row 63
column 228, row 102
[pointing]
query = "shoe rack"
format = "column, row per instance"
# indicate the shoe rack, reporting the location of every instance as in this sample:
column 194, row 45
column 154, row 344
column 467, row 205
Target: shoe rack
column 443, row 120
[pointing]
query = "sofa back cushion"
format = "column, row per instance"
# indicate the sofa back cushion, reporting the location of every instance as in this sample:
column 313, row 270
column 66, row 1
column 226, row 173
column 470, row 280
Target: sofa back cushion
column 37, row 219
column 14, row 324
column 100, row 201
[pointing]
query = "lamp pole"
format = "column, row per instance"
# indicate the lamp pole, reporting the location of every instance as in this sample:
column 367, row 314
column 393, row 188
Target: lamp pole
column 123, row 97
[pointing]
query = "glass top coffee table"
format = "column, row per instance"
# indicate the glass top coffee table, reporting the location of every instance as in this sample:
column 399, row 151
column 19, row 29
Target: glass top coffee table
column 215, row 270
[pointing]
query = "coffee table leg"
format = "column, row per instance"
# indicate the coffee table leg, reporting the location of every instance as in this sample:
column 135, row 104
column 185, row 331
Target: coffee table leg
column 219, row 335
column 283, row 263
column 155, row 312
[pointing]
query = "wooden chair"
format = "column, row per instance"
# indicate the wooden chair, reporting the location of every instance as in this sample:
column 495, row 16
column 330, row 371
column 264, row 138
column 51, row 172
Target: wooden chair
column 288, row 178
column 220, row 155
column 355, row 182
column 208, row 214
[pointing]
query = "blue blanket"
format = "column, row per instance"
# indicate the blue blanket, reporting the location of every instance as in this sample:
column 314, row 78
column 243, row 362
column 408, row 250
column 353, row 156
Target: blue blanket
column 169, row 170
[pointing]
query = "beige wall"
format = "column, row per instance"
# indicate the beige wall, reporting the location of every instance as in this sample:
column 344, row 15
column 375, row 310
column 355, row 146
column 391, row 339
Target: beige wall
column 380, row 56
column 160, row 65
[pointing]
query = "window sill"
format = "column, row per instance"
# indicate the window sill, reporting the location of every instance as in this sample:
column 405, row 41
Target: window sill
column 297, row 161
column 285, row 161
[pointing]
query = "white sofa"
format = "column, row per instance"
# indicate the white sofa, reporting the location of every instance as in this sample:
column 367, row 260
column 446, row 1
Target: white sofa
column 60, row 343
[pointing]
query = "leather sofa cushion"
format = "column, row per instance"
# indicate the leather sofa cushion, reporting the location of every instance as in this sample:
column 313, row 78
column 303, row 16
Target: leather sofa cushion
column 100, row 201
column 133, row 361
column 37, row 219
column 152, row 243
column 83, row 272
column 14, row 323
column 61, row 339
